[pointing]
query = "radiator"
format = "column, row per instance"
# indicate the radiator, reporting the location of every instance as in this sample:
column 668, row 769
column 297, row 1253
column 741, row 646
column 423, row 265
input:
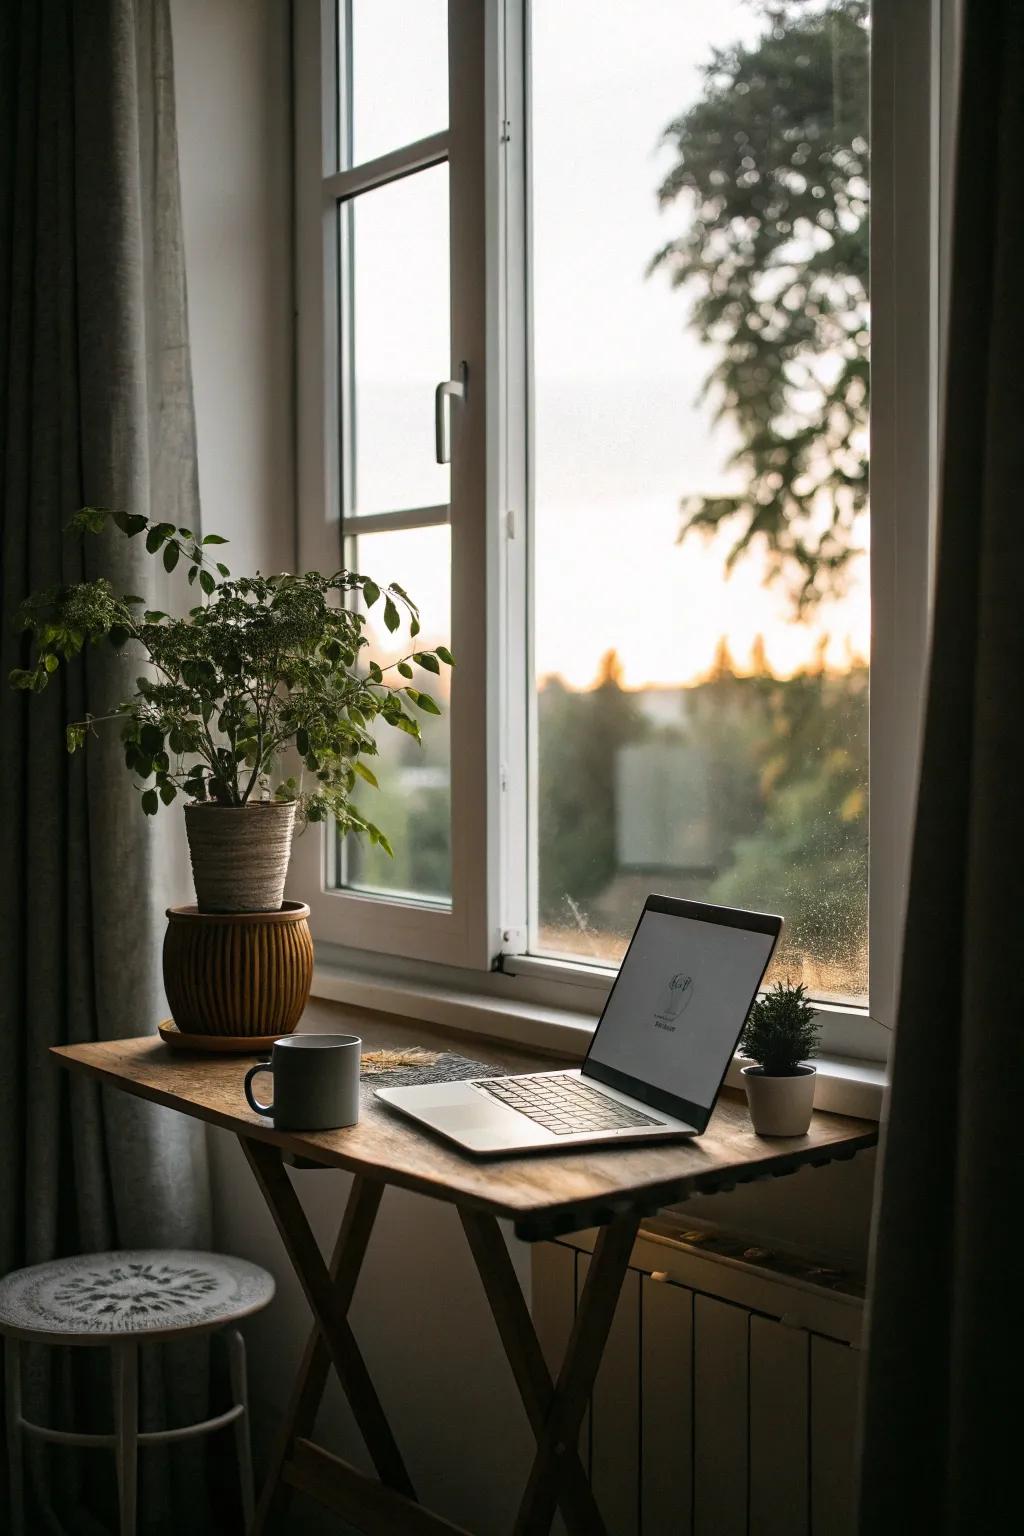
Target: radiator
column 726, row 1402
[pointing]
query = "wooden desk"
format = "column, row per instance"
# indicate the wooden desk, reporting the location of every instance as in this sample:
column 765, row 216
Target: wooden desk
column 543, row 1196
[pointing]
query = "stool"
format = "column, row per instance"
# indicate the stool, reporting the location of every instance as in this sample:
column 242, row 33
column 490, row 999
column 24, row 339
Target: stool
column 121, row 1300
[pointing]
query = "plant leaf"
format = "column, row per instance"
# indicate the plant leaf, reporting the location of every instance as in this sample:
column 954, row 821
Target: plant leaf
column 391, row 618
column 130, row 523
column 88, row 520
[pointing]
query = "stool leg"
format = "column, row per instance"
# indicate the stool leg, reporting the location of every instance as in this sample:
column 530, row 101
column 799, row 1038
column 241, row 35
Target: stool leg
column 126, row 1431
column 15, row 1435
column 243, row 1444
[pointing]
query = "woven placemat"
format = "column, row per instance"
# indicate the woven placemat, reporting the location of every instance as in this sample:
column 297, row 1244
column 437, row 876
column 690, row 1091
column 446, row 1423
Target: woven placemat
column 402, row 1069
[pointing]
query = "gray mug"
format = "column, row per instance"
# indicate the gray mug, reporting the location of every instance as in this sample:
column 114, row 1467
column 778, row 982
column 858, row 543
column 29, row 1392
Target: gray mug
column 316, row 1082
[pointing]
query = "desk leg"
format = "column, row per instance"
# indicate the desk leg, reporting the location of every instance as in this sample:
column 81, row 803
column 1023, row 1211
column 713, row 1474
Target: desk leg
column 515, row 1326
column 329, row 1293
column 552, row 1479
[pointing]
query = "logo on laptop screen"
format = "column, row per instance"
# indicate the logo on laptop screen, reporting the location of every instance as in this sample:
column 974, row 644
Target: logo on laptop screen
column 676, row 997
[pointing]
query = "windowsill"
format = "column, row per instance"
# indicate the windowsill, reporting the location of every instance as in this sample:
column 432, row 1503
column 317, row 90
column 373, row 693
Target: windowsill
column 845, row 1084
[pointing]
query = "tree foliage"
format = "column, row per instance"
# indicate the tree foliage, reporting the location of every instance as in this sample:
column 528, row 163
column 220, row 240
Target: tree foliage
column 772, row 166
column 581, row 735
column 805, row 849
column 263, row 663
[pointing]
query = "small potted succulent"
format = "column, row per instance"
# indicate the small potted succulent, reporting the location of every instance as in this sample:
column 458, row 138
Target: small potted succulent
column 260, row 667
column 780, row 1034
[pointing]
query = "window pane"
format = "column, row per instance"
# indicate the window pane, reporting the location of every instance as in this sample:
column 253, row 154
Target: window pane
column 399, row 74
column 412, row 806
column 701, row 605
column 400, row 346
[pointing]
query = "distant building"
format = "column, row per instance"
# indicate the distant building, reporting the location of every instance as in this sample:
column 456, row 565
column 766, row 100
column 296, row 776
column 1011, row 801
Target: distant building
column 663, row 816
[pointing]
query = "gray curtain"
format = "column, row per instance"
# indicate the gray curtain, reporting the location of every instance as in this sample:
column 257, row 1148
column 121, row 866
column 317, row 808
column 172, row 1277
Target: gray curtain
column 941, row 1441
column 95, row 408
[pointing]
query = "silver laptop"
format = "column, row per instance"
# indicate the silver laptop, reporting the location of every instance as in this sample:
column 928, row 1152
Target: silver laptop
column 657, row 1059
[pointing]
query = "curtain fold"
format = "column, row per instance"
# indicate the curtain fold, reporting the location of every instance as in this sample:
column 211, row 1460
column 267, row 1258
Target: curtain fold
column 95, row 408
column 940, row 1440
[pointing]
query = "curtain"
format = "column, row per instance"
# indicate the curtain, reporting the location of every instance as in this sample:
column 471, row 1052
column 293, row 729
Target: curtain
column 95, row 408
column 941, row 1404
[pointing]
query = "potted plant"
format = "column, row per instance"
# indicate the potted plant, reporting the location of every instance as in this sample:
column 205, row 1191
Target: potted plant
column 263, row 665
column 780, row 1034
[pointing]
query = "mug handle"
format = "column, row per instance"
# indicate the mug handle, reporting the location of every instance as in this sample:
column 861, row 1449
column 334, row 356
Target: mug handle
column 254, row 1103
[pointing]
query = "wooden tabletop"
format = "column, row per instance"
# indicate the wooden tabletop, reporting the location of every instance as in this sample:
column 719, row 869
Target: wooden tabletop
column 545, row 1194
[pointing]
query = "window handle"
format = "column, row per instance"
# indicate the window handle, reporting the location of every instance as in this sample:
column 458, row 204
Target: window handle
column 450, row 389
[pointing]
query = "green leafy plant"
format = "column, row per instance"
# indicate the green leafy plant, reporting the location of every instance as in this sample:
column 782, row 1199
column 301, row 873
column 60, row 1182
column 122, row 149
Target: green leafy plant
column 781, row 1031
column 262, row 664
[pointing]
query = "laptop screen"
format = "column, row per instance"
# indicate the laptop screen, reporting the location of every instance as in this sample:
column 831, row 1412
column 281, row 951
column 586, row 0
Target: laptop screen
column 675, row 1014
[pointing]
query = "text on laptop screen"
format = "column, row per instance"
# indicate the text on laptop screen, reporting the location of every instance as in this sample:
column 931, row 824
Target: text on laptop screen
column 681, row 997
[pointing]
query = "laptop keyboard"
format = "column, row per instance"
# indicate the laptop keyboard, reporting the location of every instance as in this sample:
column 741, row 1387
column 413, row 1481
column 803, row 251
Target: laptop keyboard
column 564, row 1105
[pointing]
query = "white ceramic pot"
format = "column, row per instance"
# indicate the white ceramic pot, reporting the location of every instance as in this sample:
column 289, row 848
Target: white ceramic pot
column 780, row 1106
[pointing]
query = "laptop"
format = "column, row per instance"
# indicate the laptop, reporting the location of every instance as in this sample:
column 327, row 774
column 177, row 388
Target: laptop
column 657, row 1059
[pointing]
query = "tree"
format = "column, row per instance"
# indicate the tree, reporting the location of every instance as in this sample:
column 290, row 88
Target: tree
column 808, row 851
column 580, row 737
column 773, row 163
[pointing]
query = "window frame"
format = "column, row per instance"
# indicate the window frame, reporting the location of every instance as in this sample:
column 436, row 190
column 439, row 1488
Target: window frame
column 493, row 711
column 384, row 923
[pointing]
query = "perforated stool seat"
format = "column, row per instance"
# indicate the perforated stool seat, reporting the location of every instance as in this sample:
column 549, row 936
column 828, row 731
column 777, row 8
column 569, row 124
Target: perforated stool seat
column 121, row 1300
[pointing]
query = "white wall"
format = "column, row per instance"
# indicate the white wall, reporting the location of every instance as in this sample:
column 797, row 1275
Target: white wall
column 419, row 1312
column 232, row 65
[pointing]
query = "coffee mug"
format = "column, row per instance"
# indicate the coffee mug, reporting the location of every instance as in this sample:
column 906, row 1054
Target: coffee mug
column 316, row 1082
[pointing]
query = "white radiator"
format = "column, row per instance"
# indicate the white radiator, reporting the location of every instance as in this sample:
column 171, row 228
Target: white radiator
column 727, row 1398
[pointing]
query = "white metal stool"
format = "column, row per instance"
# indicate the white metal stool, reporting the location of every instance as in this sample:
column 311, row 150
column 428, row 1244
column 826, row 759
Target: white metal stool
column 121, row 1300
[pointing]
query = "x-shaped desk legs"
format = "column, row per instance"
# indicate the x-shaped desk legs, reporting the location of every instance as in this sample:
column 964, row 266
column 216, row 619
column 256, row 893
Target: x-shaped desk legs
column 555, row 1411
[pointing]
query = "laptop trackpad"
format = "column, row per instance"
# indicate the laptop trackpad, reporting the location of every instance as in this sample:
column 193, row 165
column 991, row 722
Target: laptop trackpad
column 477, row 1125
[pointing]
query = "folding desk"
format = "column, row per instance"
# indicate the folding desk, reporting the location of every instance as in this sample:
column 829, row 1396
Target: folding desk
column 543, row 1196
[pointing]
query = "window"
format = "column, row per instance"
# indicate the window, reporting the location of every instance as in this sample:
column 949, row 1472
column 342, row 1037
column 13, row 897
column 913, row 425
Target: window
column 700, row 402
column 636, row 241
column 390, row 206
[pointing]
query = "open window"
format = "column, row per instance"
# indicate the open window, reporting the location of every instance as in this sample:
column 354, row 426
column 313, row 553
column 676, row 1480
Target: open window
column 673, row 267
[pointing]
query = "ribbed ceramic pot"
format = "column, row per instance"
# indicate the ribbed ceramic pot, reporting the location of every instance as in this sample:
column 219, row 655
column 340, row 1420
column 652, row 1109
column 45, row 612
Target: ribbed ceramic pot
column 240, row 854
column 240, row 973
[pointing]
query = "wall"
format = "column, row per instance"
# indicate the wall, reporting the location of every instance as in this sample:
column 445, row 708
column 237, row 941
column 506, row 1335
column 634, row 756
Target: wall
column 232, row 65
column 419, row 1313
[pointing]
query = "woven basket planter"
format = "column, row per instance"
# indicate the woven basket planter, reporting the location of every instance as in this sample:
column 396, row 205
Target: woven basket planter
column 240, row 854
column 242, row 973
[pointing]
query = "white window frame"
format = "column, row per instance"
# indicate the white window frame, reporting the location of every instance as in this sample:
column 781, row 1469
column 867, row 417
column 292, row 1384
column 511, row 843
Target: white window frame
column 493, row 705
column 383, row 923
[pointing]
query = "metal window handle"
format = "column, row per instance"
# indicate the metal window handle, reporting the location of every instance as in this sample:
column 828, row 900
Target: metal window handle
column 450, row 389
